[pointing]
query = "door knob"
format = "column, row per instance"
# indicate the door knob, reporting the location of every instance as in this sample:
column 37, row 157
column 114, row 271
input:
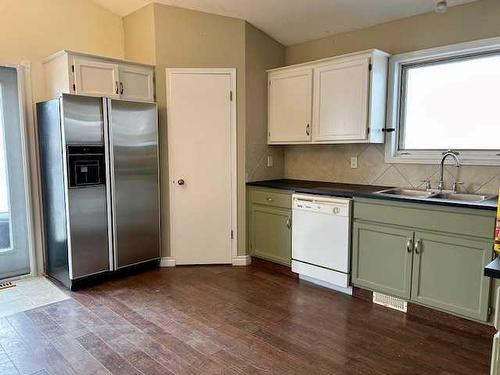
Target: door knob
column 180, row 181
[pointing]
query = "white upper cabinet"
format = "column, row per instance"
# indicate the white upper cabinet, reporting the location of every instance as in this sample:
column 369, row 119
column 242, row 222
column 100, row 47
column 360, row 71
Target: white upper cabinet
column 290, row 99
column 341, row 105
column 95, row 78
column 347, row 103
column 75, row 73
column 136, row 83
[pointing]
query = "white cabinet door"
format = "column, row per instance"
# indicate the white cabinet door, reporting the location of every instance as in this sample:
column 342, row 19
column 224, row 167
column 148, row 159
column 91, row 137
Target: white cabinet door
column 96, row 78
column 136, row 83
column 290, row 105
column 341, row 93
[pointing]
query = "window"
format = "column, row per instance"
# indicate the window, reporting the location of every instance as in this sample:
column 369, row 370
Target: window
column 445, row 98
column 4, row 194
column 15, row 231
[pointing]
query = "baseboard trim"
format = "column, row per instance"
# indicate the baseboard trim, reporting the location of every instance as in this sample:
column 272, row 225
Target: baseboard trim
column 241, row 260
column 167, row 262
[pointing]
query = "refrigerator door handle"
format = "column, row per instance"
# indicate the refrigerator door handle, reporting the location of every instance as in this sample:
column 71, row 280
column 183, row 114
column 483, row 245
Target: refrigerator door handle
column 110, row 182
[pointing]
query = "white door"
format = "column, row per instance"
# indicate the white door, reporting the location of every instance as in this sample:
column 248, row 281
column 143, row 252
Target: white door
column 136, row 83
column 340, row 109
column 201, row 133
column 290, row 106
column 14, row 229
column 96, row 78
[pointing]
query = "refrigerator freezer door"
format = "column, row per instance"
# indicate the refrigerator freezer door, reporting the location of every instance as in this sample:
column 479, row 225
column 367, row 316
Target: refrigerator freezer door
column 133, row 138
column 83, row 124
column 89, row 230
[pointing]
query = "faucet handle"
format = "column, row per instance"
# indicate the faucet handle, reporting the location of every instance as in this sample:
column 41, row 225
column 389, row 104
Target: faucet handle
column 455, row 185
column 427, row 182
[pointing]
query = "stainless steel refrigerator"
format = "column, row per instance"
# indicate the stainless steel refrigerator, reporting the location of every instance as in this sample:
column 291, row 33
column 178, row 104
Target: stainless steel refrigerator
column 100, row 185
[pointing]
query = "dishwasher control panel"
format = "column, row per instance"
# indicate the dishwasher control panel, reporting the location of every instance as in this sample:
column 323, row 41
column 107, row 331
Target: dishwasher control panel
column 325, row 205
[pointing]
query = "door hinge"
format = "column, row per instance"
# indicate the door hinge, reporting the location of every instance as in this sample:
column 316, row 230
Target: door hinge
column 370, row 66
column 74, row 87
column 232, row 234
column 230, row 95
column 73, row 68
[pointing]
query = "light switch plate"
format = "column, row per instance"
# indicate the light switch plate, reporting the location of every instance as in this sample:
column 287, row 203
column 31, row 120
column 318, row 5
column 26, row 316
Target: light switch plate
column 354, row 162
column 269, row 161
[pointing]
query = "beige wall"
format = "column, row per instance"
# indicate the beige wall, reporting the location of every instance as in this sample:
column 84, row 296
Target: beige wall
column 140, row 38
column 261, row 53
column 473, row 21
column 31, row 30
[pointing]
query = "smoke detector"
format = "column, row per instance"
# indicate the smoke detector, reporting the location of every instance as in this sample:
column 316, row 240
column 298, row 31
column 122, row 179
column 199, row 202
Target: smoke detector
column 441, row 6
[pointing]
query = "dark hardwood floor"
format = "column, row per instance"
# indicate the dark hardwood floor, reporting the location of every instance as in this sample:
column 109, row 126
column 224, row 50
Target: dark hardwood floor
column 228, row 320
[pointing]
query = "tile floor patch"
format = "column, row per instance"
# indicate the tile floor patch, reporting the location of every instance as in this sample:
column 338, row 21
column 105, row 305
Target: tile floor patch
column 28, row 294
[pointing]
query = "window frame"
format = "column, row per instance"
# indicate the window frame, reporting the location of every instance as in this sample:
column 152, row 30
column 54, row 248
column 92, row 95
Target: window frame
column 397, row 65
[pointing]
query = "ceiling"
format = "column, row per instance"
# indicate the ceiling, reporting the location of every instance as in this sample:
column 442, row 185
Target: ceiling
column 296, row 21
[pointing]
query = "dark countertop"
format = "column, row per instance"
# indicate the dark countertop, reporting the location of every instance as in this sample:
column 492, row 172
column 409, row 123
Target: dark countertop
column 362, row 191
column 493, row 268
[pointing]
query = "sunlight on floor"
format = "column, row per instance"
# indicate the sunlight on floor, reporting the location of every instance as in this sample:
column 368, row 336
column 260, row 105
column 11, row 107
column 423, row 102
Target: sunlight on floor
column 29, row 293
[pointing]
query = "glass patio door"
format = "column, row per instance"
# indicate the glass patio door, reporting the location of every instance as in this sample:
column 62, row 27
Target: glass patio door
column 14, row 238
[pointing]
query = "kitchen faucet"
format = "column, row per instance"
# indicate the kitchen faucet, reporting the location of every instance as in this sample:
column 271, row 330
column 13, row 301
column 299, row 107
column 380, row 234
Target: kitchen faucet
column 454, row 155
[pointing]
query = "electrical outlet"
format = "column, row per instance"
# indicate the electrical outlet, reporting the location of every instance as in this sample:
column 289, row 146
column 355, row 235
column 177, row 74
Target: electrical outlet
column 269, row 161
column 354, row 162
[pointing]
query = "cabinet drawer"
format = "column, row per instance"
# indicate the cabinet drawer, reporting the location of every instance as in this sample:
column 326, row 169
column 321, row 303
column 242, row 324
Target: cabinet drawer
column 270, row 197
column 464, row 221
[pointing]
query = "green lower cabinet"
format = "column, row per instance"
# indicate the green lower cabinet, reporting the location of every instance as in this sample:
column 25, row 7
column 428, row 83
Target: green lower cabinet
column 270, row 233
column 448, row 274
column 382, row 258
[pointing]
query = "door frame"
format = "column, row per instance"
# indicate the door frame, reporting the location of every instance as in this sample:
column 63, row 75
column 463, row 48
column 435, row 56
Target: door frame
column 31, row 171
column 170, row 260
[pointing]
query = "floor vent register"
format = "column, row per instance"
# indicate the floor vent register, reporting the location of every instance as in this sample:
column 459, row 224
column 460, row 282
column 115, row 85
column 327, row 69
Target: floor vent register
column 6, row 285
column 391, row 302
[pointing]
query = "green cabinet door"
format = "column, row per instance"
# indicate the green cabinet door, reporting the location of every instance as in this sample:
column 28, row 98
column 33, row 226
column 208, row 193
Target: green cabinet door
column 270, row 233
column 382, row 258
column 448, row 274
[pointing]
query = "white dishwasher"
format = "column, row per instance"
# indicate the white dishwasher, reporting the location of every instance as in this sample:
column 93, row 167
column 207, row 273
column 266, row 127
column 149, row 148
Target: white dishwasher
column 321, row 234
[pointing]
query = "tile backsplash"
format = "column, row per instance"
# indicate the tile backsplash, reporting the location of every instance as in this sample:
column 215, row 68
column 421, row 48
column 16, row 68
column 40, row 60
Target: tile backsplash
column 332, row 163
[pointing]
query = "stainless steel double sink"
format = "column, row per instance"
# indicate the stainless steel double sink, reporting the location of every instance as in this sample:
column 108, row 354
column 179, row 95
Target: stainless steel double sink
column 433, row 194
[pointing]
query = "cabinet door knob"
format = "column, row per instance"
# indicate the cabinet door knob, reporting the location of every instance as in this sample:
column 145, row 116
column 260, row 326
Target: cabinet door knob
column 269, row 199
column 418, row 246
column 308, row 129
column 409, row 245
column 180, row 181
column 288, row 222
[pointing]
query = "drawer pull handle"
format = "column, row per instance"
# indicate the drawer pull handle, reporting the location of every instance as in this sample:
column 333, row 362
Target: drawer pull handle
column 409, row 245
column 308, row 127
column 418, row 246
column 269, row 199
